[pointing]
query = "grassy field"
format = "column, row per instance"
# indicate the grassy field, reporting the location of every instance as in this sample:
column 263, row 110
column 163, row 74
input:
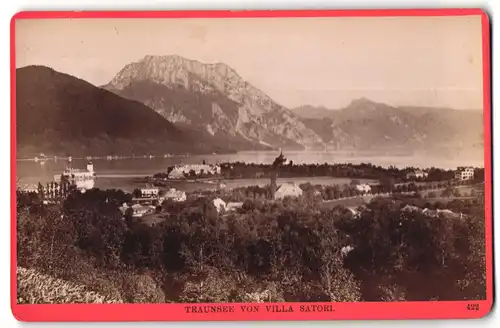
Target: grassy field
column 348, row 202
column 464, row 190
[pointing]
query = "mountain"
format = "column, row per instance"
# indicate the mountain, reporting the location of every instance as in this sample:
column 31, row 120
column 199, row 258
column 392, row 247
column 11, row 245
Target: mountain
column 365, row 124
column 212, row 97
column 308, row 111
column 60, row 114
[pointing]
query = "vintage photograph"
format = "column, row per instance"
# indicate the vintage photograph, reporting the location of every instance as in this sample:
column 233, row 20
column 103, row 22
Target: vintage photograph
column 216, row 160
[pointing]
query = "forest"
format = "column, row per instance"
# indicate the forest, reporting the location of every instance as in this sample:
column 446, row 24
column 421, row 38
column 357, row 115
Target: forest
column 241, row 170
column 347, row 170
column 267, row 251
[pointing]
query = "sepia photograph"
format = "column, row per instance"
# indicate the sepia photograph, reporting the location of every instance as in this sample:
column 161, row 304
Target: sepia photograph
column 250, row 160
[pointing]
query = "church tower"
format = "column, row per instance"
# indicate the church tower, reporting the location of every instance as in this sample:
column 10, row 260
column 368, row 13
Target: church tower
column 278, row 162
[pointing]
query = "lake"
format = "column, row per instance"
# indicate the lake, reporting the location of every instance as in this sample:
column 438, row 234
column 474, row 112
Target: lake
column 121, row 173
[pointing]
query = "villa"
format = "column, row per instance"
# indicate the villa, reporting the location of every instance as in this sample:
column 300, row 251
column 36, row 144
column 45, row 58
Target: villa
column 464, row 173
column 82, row 179
column 149, row 192
column 365, row 188
column 181, row 171
column 138, row 210
column 417, row 174
column 175, row 195
column 288, row 190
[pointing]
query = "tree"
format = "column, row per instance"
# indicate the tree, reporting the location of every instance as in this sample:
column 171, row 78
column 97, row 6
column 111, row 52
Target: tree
column 448, row 192
column 456, row 192
column 137, row 193
column 41, row 191
column 215, row 287
column 129, row 214
column 98, row 224
column 387, row 184
column 248, row 205
column 432, row 194
column 337, row 282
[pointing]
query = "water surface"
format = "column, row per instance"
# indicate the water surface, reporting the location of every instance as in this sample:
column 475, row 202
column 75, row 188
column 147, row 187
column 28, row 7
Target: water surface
column 123, row 173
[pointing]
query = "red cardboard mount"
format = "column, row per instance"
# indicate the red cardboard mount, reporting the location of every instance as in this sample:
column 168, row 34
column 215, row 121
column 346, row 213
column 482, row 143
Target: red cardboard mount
column 260, row 311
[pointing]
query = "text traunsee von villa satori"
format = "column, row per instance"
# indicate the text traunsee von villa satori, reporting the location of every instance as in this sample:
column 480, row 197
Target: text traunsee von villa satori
column 255, row 308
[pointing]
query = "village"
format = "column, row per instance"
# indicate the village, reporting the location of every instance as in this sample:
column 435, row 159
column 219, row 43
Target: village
column 284, row 165
column 146, row 202
column 360, row 211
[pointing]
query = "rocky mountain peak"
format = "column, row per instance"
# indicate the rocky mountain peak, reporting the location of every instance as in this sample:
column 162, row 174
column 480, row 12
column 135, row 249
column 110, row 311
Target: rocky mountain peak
column 227, row 100
column 174, row 70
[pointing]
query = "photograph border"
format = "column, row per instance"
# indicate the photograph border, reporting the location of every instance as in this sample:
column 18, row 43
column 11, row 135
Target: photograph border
column 342, row 311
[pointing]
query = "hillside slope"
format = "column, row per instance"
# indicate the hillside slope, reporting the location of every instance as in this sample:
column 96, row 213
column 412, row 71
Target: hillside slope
column 62, row 115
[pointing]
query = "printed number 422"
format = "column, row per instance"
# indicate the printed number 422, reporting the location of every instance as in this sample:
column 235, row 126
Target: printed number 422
column 473, row 307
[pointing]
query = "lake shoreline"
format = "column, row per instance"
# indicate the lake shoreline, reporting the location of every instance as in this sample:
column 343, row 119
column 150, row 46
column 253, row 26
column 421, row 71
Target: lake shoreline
column 119, row 173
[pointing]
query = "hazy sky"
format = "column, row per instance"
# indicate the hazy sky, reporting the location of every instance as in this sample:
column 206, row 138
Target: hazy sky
column 430, row 61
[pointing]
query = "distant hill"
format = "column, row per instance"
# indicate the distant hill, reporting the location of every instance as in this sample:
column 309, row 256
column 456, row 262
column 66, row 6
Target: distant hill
column 308, row 111
column 60, row 114
column 365, row 124
column 212, row 97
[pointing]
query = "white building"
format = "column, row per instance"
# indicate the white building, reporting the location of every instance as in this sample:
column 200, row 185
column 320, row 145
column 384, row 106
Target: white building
column 417, row 174
column 138, row 210
column 233, row 206
column 176, row 174
column 82, row 179
column 411, row 208
column 31, row 188
column 432, row 213
column 364, row 188
column 449, row 214
column 180, row 171
column 150, row 192
column 175, row 195
column 141, row 210
column 464, row 173
column 219, row 204
column 288, row 190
